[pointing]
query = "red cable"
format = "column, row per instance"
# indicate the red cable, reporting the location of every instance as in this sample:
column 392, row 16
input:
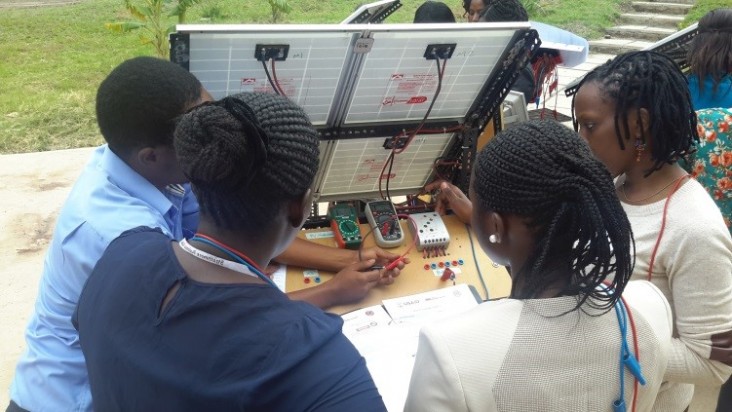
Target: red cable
column 440, row 74
column 274, row 76
column 663, row 226
column 396, row 261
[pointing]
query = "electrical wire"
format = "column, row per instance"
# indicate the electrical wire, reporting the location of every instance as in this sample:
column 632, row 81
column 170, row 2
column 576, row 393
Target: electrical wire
column 274, row 76
column 363, row 240
column 396, row 220
column 477, row 265
column 395, row 150
column 269, row 77
column 415, row 237
column 440, row 75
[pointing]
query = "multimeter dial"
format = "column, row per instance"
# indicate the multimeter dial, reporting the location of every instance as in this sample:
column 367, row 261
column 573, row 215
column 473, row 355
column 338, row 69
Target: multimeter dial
column 349, row 228
column 382, row 217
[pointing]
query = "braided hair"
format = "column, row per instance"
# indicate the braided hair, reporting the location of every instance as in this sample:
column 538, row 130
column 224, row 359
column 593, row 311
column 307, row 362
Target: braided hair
column 710, row 53
column 138, row 102
column 545, row 173
column 651, row 81
column 504, row 11
column 245, row 156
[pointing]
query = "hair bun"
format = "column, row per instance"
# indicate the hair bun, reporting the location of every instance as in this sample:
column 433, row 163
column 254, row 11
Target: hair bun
column 212, row 132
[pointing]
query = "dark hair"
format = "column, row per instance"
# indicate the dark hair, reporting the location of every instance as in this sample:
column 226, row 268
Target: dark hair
column 651, row 81
column 138, row 102
column 544, row 172
column 245, row 156
column 466, row 4
column 434, row 12
column 504, row 11
column 710, row 53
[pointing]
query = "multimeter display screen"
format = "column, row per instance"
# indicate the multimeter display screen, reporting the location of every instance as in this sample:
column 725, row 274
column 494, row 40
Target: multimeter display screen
column 384, row 207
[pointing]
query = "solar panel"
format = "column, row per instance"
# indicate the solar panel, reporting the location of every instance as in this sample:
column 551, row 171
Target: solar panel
column 373, row 12
column 363, row 84
column 396, row 82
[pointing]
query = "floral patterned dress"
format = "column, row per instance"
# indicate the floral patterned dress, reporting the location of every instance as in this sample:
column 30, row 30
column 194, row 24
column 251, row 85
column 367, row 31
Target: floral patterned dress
column 712, row 163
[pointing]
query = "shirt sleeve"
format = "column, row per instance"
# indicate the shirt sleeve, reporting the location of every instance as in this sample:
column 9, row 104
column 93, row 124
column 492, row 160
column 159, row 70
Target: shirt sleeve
column 700, row 278
column 190, row 212
column 435, row 383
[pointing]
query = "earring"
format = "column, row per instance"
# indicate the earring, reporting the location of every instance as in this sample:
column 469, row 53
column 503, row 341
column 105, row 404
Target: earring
column 493, row 239
column 639, row 148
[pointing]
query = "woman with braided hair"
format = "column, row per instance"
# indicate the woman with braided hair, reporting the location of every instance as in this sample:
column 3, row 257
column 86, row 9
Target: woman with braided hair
column 543, row 206
column 636, row 114
column 209, row 330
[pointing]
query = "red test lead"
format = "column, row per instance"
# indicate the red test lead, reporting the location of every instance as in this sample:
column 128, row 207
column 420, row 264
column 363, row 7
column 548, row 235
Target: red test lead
column 394, row 263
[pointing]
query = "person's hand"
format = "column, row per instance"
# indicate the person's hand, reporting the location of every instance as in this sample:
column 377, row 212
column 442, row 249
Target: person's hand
column 354, row 282
column 451, row 197
column 384, row 258
column 381, row 256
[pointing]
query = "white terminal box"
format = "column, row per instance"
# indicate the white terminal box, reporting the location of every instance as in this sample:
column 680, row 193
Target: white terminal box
column 430, row 231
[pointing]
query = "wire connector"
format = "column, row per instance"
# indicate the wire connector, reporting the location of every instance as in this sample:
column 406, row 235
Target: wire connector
column 277, row 52
column 439, row 51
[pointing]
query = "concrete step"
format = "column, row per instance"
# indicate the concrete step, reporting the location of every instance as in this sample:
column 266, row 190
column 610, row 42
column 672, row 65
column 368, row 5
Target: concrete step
column 691, row 2
column 649, row 33
column 650, row 19
column 617, row 46
column 677, row 9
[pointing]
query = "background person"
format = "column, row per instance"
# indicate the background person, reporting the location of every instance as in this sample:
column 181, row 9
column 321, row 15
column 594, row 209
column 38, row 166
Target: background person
column 546, row 208
column 135, row 180
column 473, row 9
column 710, row 61
column 210, row 331
column 433, row 12
column 682, row 244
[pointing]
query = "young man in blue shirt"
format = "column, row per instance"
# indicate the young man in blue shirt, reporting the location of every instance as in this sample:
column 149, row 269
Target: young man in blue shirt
column 134, row 180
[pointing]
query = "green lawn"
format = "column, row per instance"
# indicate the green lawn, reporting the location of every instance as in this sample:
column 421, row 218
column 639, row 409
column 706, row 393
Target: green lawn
column 53, row 58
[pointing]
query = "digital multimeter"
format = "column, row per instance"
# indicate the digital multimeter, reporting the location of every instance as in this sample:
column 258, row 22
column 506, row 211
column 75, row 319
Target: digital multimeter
column 382, row 216
column 344, row 222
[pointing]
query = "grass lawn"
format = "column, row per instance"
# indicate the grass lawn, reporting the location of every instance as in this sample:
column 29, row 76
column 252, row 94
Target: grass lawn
column 53, row 58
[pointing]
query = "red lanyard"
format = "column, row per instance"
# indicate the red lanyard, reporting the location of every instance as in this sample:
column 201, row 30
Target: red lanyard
column 663, row 226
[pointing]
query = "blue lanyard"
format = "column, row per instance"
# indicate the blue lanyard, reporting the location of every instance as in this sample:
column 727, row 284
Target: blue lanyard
column 627, row 360
column 234, row 256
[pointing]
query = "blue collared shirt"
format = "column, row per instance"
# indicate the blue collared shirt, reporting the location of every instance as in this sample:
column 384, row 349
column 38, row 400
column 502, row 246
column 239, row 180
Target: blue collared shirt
column 107, row 199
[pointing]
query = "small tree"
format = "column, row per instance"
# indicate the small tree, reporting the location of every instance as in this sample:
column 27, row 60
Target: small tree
column 279, row 7
column 153, row 19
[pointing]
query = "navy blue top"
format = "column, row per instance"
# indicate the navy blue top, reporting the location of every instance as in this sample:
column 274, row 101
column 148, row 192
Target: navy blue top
column 223, row 347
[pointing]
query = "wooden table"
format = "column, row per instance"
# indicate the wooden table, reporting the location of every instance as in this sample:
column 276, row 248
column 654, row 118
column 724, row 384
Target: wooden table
column 415, row 278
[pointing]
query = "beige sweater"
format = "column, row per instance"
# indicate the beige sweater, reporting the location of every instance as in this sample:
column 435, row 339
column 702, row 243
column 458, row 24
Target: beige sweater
column 693, row 269
column 514, row 355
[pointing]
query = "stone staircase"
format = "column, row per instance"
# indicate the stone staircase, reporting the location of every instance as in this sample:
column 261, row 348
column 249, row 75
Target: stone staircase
column 648, row 22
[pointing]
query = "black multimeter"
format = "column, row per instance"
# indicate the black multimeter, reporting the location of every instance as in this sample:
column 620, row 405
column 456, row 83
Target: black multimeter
column 382, row 216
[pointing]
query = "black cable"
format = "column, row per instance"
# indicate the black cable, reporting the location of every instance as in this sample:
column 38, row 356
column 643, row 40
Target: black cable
column 269, row 77
column 440, row 73
column 477, row 265
column 388, row 174
column 395, row 151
